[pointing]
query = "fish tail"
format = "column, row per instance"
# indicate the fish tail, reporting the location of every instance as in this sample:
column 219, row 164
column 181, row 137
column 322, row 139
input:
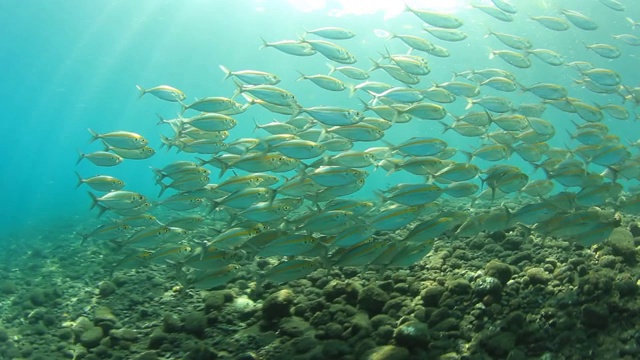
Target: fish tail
column 162, row 120
column 332, row 68
column 238, row 90
column 94, row 199
column 84, row 238
column 163, row 187
column 376, row 65
column 469, row 103
column 264, row 43
column 80, row 180
column 302, row 76
column 142, row 91
column 101, row 210
column 445, row 126
column 80, row 157
column 257, row 126
column 223, row 168
column 158, row 172
column 352, row 89
column 492, row 54
column 106, row 146
column 227, row 72
column 94, row 135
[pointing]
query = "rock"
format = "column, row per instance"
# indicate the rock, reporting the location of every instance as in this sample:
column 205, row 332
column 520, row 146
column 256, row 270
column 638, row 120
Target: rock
column 360, row 326
column 372, row 299
column 634, row 229
column 537, row 276
column 381, row 320
column 304, row 344
column 487, row 286
column 106, row 288
column 81, row 325
column 349, row 290
column 157, row 339
column 124, row 334
column 38, row 297
column 388, row 352
column 103, row 314
column 334, row 348
column 194, row 323
column 171, row 324
column 64, row 334
column 514, row 321
column 91, row 337
column 147, row 355
column 214, row 300
column 625, row 285
column 498, row 270
column 293, row 327
column 201, row 351
column 412, row 334
column 500, row 344
column 459, row 287
column 431, row 296
column 595, row 316
column 277, row 305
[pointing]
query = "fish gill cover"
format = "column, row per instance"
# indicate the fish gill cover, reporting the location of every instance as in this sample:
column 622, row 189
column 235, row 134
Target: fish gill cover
column 277, row 140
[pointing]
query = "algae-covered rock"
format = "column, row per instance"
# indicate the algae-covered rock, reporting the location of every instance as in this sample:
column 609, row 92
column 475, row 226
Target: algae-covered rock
column 157, row 339
column 372, row 299
column 349, row 290
column 91, row 337
column 459, row 287
column 537, row 276
column 278, row 305
column 498, row 270
column 487, row 286
column 104, row 314
column 293, row 327
column 194, row 323
column 412, row 334
column 595, row 316
column 147, row 355
column 171, row 323
column 124, row 334
column 214, row 300
column 431, row 296
column 106, row 288
column 388, row 352
column 500, row 344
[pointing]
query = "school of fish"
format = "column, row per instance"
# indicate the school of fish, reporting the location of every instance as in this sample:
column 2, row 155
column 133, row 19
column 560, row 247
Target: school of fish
column 291, row 192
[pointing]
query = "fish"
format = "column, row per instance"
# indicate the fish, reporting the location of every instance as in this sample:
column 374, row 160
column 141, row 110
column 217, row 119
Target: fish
column 551, row 22
column 164, row 92
column 579, row 20
column 289, row 270
column 291, row 47
column 120, row 139
column 101, row 158
column 103, row 183
column 214, row 278
column 332, row 33
column 332, row 51
column 436, row 19
column 511, row 57
column 351, row 72
column 251, row 77
column 412, row 194
column 324, row 81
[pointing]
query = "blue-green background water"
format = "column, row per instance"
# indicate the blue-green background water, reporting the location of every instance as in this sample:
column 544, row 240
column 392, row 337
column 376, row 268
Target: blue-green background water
column 72, row 65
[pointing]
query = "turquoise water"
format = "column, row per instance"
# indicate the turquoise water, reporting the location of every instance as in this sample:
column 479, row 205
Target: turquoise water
column 73, row 65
